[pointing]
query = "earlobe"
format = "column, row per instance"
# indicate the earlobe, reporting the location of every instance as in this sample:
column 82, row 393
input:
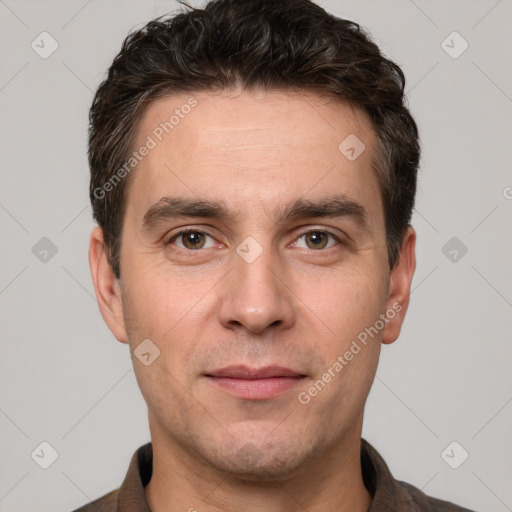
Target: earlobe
column 106, row 286
column 400, row 288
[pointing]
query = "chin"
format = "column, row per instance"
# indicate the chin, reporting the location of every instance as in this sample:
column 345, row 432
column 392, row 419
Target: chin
column 263, row 463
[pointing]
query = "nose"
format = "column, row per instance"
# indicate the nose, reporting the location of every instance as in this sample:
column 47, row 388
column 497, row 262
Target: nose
column 257, row 296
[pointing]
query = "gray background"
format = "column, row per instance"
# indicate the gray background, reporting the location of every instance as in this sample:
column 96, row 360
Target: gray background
column 66, row 380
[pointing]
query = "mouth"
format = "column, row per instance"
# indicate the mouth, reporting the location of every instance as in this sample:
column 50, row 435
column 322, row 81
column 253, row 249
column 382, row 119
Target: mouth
column 255, row 383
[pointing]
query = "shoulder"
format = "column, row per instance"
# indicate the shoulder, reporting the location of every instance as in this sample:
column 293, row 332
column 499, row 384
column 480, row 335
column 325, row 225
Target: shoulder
column 107, row 503
column 421, row 502
column 392, row 494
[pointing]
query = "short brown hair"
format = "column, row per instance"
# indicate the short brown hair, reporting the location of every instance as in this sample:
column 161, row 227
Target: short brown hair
column 264, row 44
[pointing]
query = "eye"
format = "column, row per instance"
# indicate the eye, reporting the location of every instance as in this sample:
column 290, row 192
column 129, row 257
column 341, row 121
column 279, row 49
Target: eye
column 318, row 239
column 190, row 239
column 193, row 239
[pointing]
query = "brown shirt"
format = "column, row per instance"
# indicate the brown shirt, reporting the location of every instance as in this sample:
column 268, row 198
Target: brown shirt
column 389, row 495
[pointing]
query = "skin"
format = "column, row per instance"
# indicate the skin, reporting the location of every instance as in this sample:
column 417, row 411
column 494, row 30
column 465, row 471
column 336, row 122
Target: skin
column 296, row 305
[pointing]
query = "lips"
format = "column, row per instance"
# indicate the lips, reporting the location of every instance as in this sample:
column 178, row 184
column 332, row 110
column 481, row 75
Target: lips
column 248, row 383
column 244, row 372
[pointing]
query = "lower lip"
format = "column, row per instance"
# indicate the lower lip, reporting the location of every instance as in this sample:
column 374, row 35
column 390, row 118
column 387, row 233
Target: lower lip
column 256, row 389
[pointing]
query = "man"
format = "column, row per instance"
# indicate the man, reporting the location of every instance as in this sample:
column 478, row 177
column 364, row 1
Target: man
column 253, row 173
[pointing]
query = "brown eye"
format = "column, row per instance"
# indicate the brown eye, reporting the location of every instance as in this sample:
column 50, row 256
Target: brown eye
column 318, row 239
column 191, row 240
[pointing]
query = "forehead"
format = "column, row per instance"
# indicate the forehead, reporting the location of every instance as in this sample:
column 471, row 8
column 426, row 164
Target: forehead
column 254, row 149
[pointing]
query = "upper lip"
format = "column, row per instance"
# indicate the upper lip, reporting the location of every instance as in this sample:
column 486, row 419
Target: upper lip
column 245, row 372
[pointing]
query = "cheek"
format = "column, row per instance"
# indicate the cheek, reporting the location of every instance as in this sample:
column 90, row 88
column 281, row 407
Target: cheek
column 162, row 308
column 156, row 294
column 166, row 306
column 348, row 301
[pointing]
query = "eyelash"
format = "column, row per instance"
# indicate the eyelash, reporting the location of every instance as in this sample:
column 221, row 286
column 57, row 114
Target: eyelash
column 191, row 230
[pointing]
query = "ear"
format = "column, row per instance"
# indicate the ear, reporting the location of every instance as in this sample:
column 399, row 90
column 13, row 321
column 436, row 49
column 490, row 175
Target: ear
column 400, row 287
column 108, row 290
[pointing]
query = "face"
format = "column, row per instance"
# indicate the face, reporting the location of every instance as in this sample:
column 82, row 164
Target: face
column 283, row 270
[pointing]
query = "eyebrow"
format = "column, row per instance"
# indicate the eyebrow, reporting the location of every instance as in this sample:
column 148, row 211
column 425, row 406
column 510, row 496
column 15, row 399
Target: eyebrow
column 337, row 206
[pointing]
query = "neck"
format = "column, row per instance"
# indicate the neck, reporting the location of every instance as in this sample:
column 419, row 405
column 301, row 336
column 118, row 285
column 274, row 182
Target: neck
column 332, row 480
